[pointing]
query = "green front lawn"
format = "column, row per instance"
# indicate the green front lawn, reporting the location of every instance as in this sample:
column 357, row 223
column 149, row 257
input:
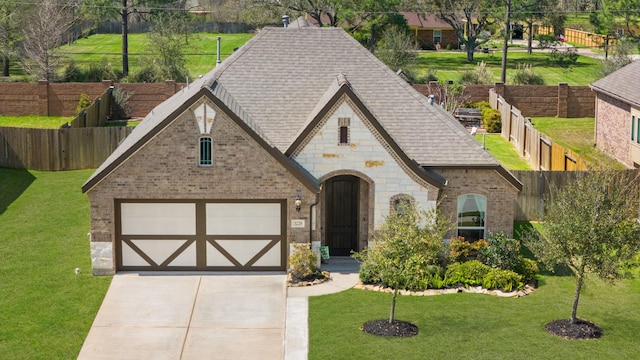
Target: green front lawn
column 451, row 65
column 503, row 151
column 35, row 121
column 200, row 52
column 46, row 310
column 475, row 326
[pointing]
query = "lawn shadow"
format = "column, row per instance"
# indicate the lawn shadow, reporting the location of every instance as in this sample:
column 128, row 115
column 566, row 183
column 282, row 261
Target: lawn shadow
column 13, row 182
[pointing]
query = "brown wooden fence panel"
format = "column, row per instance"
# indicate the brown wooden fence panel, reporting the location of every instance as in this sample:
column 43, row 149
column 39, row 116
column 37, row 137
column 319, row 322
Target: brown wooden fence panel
column 538, row 185
column 58, row 149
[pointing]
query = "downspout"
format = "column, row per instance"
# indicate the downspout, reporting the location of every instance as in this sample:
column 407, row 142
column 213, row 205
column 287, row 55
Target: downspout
column 311, row 218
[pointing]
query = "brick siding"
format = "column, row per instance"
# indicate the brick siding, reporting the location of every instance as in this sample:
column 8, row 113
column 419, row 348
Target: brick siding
column 166, row 168
column 501, row 196
column 613, row 128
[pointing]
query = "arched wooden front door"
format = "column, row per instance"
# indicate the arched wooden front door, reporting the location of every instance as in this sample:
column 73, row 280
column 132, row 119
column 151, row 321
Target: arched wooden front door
column 341, row 205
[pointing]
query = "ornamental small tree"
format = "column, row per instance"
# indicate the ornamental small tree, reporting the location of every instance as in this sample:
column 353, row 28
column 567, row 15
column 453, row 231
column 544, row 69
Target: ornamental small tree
column 591, row 226
column 409, row 244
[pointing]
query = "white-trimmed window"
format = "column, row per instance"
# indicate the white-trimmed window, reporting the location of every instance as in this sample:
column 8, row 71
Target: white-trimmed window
column 437, row 36
column 206, row 152
column 472, row 209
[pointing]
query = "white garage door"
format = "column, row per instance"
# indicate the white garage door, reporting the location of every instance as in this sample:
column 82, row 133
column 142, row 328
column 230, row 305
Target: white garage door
column 201, row 235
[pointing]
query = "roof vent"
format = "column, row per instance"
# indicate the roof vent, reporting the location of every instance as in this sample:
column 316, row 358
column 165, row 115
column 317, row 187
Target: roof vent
column 285, row 20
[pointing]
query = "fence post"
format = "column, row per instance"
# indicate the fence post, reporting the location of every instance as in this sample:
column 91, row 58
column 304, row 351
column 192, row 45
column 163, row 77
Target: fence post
column 563, row 100
column 43, row 98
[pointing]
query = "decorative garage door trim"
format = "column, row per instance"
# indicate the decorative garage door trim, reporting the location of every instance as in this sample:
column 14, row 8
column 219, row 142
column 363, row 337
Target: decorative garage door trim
column 201, row 235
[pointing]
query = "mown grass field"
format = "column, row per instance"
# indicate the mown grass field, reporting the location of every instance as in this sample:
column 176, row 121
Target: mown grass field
column 46, row 310
column 200, row 51
column 451, row 65
column 34, row 121
column 503, row 151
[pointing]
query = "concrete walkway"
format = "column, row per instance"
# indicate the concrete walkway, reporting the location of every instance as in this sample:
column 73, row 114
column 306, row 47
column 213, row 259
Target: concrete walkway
column 344, row 275
column 212, row 316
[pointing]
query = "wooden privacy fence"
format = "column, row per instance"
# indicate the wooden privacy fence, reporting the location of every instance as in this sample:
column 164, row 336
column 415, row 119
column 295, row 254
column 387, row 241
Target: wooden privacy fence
column 58, row 149
column 95, row 114
column 537, row 185
column 539, row 150
column 579, row 37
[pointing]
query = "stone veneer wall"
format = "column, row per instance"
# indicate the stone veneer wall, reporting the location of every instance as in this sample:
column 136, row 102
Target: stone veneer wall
column 366, row 154
column 166, row 168
column 501, row 195
column 613, row 127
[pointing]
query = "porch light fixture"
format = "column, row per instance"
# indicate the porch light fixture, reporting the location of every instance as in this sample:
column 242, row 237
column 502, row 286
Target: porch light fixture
column 298, row 202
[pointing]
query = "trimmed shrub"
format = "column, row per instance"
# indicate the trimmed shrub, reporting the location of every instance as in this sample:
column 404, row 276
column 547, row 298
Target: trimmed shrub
column 528, row 269
column 524, row 75
column 83, row 103
column 506, row 280
column 502, row 251
column 564, row 58
column 302, row 263
column 470, row 273
column 461, row 250
column 492, row 120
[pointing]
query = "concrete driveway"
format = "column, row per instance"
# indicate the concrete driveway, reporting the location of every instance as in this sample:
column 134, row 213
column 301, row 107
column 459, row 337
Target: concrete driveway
column 190, row 317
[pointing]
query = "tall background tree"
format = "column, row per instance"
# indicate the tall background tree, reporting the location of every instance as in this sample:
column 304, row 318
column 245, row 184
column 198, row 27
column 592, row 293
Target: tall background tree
column 591, row 226
column 42, row 35
column 123, row 10
column 468, row 18
column 12, row 19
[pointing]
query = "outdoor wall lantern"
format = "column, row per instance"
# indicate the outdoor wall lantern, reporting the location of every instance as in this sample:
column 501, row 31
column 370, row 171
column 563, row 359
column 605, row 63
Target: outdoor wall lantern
column 298, row 202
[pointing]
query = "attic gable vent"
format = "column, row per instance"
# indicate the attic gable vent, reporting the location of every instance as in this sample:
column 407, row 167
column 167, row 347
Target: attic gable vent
column 343, row 131
column 204, row 117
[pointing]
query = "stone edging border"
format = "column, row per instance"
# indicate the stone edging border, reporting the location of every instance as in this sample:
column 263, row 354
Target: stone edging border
column 526, row 290
column 326, row 278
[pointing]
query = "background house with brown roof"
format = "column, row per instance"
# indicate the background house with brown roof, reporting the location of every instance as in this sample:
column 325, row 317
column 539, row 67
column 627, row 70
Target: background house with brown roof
column 429, row 30
column 301, row 136
column 617, row 114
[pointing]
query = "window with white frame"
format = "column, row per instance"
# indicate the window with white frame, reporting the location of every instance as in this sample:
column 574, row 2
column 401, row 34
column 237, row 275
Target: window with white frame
column 472, row 209
column 344, row 138
column 437, row 36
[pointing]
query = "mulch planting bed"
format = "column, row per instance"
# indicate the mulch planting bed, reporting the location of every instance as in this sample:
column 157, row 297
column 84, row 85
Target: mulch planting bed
column 396, row 328
column 581, row 330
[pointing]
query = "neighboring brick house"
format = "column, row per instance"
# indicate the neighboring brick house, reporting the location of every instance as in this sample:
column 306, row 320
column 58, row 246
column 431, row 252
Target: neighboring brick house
column 429, row 30
column 617, row 131
column 301, row 135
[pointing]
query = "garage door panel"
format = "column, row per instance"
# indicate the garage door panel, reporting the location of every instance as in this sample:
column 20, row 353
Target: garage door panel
column 216, row 259
column 243, row 219
column 186, row 258
column 158, row 219
column 201, row 235
column 131, row 258
column 272, row 258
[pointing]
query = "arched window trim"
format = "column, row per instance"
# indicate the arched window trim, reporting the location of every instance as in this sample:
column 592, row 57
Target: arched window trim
column 479, row 202
column 205, row 151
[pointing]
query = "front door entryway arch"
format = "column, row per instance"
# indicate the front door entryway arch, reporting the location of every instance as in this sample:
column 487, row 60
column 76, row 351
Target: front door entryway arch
column 341, row 206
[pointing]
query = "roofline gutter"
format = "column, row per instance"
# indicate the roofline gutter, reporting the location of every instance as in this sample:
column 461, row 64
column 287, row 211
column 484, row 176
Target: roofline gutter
column 506, row 174
column 615, row 96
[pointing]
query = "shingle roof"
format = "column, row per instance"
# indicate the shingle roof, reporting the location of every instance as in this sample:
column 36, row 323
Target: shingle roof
column 278, row 80
column 280, row 75
column 622, row 84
